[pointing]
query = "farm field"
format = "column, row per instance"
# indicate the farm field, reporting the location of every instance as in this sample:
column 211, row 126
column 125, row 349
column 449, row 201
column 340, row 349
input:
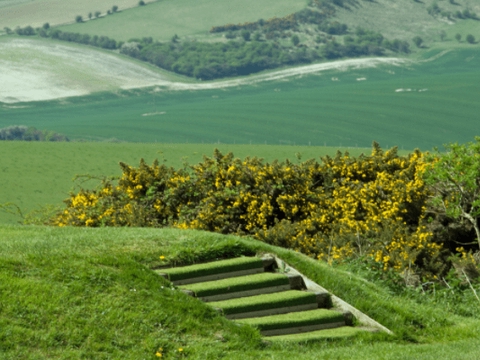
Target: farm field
column 35, row 174
column 163, row 19
column 406, row 19
column 36, row 13
column 419, row 104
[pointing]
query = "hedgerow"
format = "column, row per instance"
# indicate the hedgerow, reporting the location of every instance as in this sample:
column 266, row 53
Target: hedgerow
column 341, row 207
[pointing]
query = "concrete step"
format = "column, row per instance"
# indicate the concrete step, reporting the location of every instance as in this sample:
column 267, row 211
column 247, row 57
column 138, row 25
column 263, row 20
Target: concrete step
column 271, row 304
column 299, row 322
column 335, row 333
column 244, row 286
column 216, row 270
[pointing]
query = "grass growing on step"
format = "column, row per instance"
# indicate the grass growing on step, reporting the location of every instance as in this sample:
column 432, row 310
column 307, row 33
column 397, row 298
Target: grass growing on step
column 217, row 267
column 341, row 332
column 265, row 302
column 225, row 286
column 303, row 318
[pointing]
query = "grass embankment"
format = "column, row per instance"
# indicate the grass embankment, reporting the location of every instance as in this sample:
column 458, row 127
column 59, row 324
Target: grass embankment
column 36, row 174
column 75, row 293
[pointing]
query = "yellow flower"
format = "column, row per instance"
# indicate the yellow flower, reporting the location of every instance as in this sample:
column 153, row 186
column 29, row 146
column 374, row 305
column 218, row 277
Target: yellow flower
column 158, row 354
column 180, row 349
column 162, row 257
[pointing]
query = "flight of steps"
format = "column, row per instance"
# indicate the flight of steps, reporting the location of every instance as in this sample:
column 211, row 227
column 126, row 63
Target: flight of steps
column 249, row 291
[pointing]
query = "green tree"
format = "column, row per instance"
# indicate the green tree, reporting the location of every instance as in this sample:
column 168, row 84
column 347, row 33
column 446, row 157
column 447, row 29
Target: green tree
column 90, row 16
column 246, row 35
column 418, row 41
column 46, row 26
column 79, row 18
column 141, row 3
column 454, row 177
column 295, row 40
column 114, row 8
column 97, row 14
column 470, row 39
column 443, row 35
column 458, row 37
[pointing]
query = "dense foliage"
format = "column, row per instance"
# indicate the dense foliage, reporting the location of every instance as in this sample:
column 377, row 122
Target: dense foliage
column 20, row 132
column 371, row 207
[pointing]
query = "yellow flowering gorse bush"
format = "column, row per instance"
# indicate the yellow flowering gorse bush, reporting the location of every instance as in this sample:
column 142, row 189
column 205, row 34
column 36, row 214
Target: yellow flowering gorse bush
column 333, row 210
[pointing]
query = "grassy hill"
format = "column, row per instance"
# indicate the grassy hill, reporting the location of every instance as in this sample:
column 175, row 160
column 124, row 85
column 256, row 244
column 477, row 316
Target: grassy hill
column 401, row 19
column 36, row 13
column 163, row 19
column 92, row 293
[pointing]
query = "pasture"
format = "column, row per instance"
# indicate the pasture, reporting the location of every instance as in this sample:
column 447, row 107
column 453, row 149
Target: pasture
column 22, row 13
column 163, row 19
column 406, row 19
column 35, row 174
column 417, row 105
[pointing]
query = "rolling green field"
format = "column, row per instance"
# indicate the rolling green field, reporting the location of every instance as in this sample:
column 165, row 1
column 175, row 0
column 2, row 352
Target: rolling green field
column 163, row 19
column 35, row 13
column 420, row 105
column 37, row 174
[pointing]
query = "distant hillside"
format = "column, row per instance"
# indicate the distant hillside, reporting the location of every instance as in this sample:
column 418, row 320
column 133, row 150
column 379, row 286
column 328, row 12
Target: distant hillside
column 208, row 40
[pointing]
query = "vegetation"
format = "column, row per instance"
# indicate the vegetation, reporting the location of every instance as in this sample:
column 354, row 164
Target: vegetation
column 19, row 132
column 372, row 207
column 454, row 176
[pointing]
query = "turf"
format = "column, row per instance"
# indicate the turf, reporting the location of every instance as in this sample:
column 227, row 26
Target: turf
column 303, row 318
column 225, row 286
column 163, row 19
column 264, row 302
column 217, row 267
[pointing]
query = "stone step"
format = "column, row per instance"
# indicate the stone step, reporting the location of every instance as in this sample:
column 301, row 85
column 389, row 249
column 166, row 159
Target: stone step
column 216, row 270
column 299, row 322
column 271, row 304
column 250, row 285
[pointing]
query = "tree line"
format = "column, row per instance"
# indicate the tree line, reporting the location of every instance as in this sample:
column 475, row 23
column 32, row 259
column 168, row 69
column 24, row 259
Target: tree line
column 30, row 133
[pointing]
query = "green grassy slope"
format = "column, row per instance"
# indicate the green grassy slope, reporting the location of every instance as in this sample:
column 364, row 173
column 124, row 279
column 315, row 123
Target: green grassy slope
column 35, row 13
column 442, row 106
column 36, row 174
column 404, row 19
column 91, row 293
column 163, row 19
